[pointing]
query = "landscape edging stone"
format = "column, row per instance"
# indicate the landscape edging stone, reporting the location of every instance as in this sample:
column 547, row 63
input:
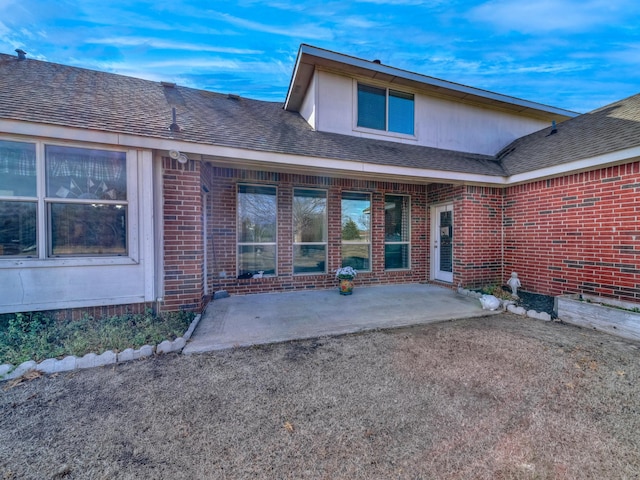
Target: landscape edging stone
column 91, row 360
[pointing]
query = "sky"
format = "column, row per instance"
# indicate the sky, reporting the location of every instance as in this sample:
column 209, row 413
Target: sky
column 573, row 54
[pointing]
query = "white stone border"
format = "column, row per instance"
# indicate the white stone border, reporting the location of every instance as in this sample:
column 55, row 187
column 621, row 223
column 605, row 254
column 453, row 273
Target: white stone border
column 90, row 360
column 510, row 306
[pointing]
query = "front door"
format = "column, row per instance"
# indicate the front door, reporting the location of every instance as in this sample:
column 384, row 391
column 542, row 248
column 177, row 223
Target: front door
column 442, row 244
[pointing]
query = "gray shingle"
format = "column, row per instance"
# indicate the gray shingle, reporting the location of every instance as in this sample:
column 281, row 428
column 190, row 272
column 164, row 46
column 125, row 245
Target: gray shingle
column 49, row 93
column 43, row 92
column 608, row 129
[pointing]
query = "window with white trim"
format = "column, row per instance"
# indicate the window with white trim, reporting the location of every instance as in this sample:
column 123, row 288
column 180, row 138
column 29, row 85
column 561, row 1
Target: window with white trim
column 309, row 231
column 257, row 229
column 385, row 109
column 78, row 209
column 397, row 235
column 356, row 230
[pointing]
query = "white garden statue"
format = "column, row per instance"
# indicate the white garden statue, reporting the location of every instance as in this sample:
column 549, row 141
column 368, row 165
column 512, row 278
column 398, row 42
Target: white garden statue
column 514, row 283
column 490, row 302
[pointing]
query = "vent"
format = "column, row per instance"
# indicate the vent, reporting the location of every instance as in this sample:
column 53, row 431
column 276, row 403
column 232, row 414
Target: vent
column 174, row 127
column 21, row 54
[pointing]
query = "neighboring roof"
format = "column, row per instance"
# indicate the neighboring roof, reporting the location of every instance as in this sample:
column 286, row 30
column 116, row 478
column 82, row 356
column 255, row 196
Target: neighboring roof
column 49, row 93
column 309, row 58
column 608, row 129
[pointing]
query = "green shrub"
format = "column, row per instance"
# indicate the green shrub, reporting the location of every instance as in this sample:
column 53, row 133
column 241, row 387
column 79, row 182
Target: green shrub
column 37, row 336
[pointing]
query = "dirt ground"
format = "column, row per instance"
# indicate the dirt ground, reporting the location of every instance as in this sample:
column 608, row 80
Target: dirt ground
column 501, row 397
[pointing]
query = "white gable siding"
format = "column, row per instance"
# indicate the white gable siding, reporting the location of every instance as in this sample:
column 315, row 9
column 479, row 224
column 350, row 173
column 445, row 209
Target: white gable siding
column 439, row 123
column 308, row 108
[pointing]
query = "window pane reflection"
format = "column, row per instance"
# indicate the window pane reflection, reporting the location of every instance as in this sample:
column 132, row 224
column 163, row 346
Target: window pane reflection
column 18, row 229
column 88, row 229
column 17, row 169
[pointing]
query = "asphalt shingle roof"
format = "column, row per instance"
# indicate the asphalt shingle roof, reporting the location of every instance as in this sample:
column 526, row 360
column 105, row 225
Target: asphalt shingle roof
column 608, row 129
column 49, row 93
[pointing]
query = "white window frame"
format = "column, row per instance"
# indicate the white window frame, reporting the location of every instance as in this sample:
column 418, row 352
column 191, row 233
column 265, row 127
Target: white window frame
column 325, row 231
column 43, row 233
column 369, row 240
column 408, row 241
column 238, row 228
column 386, row 131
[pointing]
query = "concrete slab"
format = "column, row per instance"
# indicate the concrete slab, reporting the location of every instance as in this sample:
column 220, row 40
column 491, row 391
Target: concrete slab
column 245, row 320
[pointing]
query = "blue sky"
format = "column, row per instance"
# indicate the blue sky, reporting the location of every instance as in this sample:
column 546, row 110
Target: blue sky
column 573, row 54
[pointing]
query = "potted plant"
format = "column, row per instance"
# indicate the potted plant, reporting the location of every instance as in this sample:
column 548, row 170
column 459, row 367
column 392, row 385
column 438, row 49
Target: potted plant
column 346, row 275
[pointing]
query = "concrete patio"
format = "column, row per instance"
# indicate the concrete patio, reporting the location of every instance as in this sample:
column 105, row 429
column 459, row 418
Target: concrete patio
column 245, row 320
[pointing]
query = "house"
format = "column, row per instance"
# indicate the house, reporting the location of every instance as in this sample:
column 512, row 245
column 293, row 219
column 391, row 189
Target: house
column 120, row 194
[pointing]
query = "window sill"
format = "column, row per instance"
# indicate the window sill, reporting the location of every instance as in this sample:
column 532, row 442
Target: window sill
column 386, row 133
column 24, row 262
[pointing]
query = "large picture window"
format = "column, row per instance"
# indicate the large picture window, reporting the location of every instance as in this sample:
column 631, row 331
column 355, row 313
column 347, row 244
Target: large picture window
column 356, row 230
column 396, row 232
column 257, row 226
column 309, row 231
column 86, row 199
column 385, row 109
column 82, row 205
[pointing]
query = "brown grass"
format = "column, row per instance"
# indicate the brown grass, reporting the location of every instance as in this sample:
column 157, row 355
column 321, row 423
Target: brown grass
column 495, row 398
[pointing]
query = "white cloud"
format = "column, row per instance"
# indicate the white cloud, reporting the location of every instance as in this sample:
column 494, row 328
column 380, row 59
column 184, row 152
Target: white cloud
column 129, row 41
column 431, row 3
column 544, row 16
column 359, row 22
column 308, row 31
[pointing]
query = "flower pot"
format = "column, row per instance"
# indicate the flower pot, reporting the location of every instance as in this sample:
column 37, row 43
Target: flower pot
column 346, row 286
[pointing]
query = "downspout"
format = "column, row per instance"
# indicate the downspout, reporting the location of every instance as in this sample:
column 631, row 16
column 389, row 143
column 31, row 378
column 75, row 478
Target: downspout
column 502, row 234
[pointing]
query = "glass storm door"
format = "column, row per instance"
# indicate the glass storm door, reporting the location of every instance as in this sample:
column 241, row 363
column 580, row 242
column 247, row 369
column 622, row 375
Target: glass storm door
column 442, row 251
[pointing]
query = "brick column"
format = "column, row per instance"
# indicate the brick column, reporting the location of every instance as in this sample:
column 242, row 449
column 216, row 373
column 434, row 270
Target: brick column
column 183, row 236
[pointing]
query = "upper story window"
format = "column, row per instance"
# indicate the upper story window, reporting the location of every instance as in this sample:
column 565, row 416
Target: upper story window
column 385, row 109
column 78, row 209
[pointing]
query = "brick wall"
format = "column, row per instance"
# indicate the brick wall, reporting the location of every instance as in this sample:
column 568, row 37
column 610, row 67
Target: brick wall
column 222, row 263
column 478, row 247
column 577, row 234
column 477, row 232
column 183, row 236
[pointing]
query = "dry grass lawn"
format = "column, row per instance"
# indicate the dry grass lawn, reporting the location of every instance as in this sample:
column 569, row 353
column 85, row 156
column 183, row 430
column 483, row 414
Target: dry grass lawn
column 501, row 397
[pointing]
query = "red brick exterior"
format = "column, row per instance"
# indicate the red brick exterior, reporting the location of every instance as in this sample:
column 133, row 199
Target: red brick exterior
column 478, row 246
column 222, row 231
column 477, row 232
column 577, row 234
column 183, row 236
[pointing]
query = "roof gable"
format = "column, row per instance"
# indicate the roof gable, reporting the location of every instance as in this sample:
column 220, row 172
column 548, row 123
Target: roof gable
column 309, row 58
